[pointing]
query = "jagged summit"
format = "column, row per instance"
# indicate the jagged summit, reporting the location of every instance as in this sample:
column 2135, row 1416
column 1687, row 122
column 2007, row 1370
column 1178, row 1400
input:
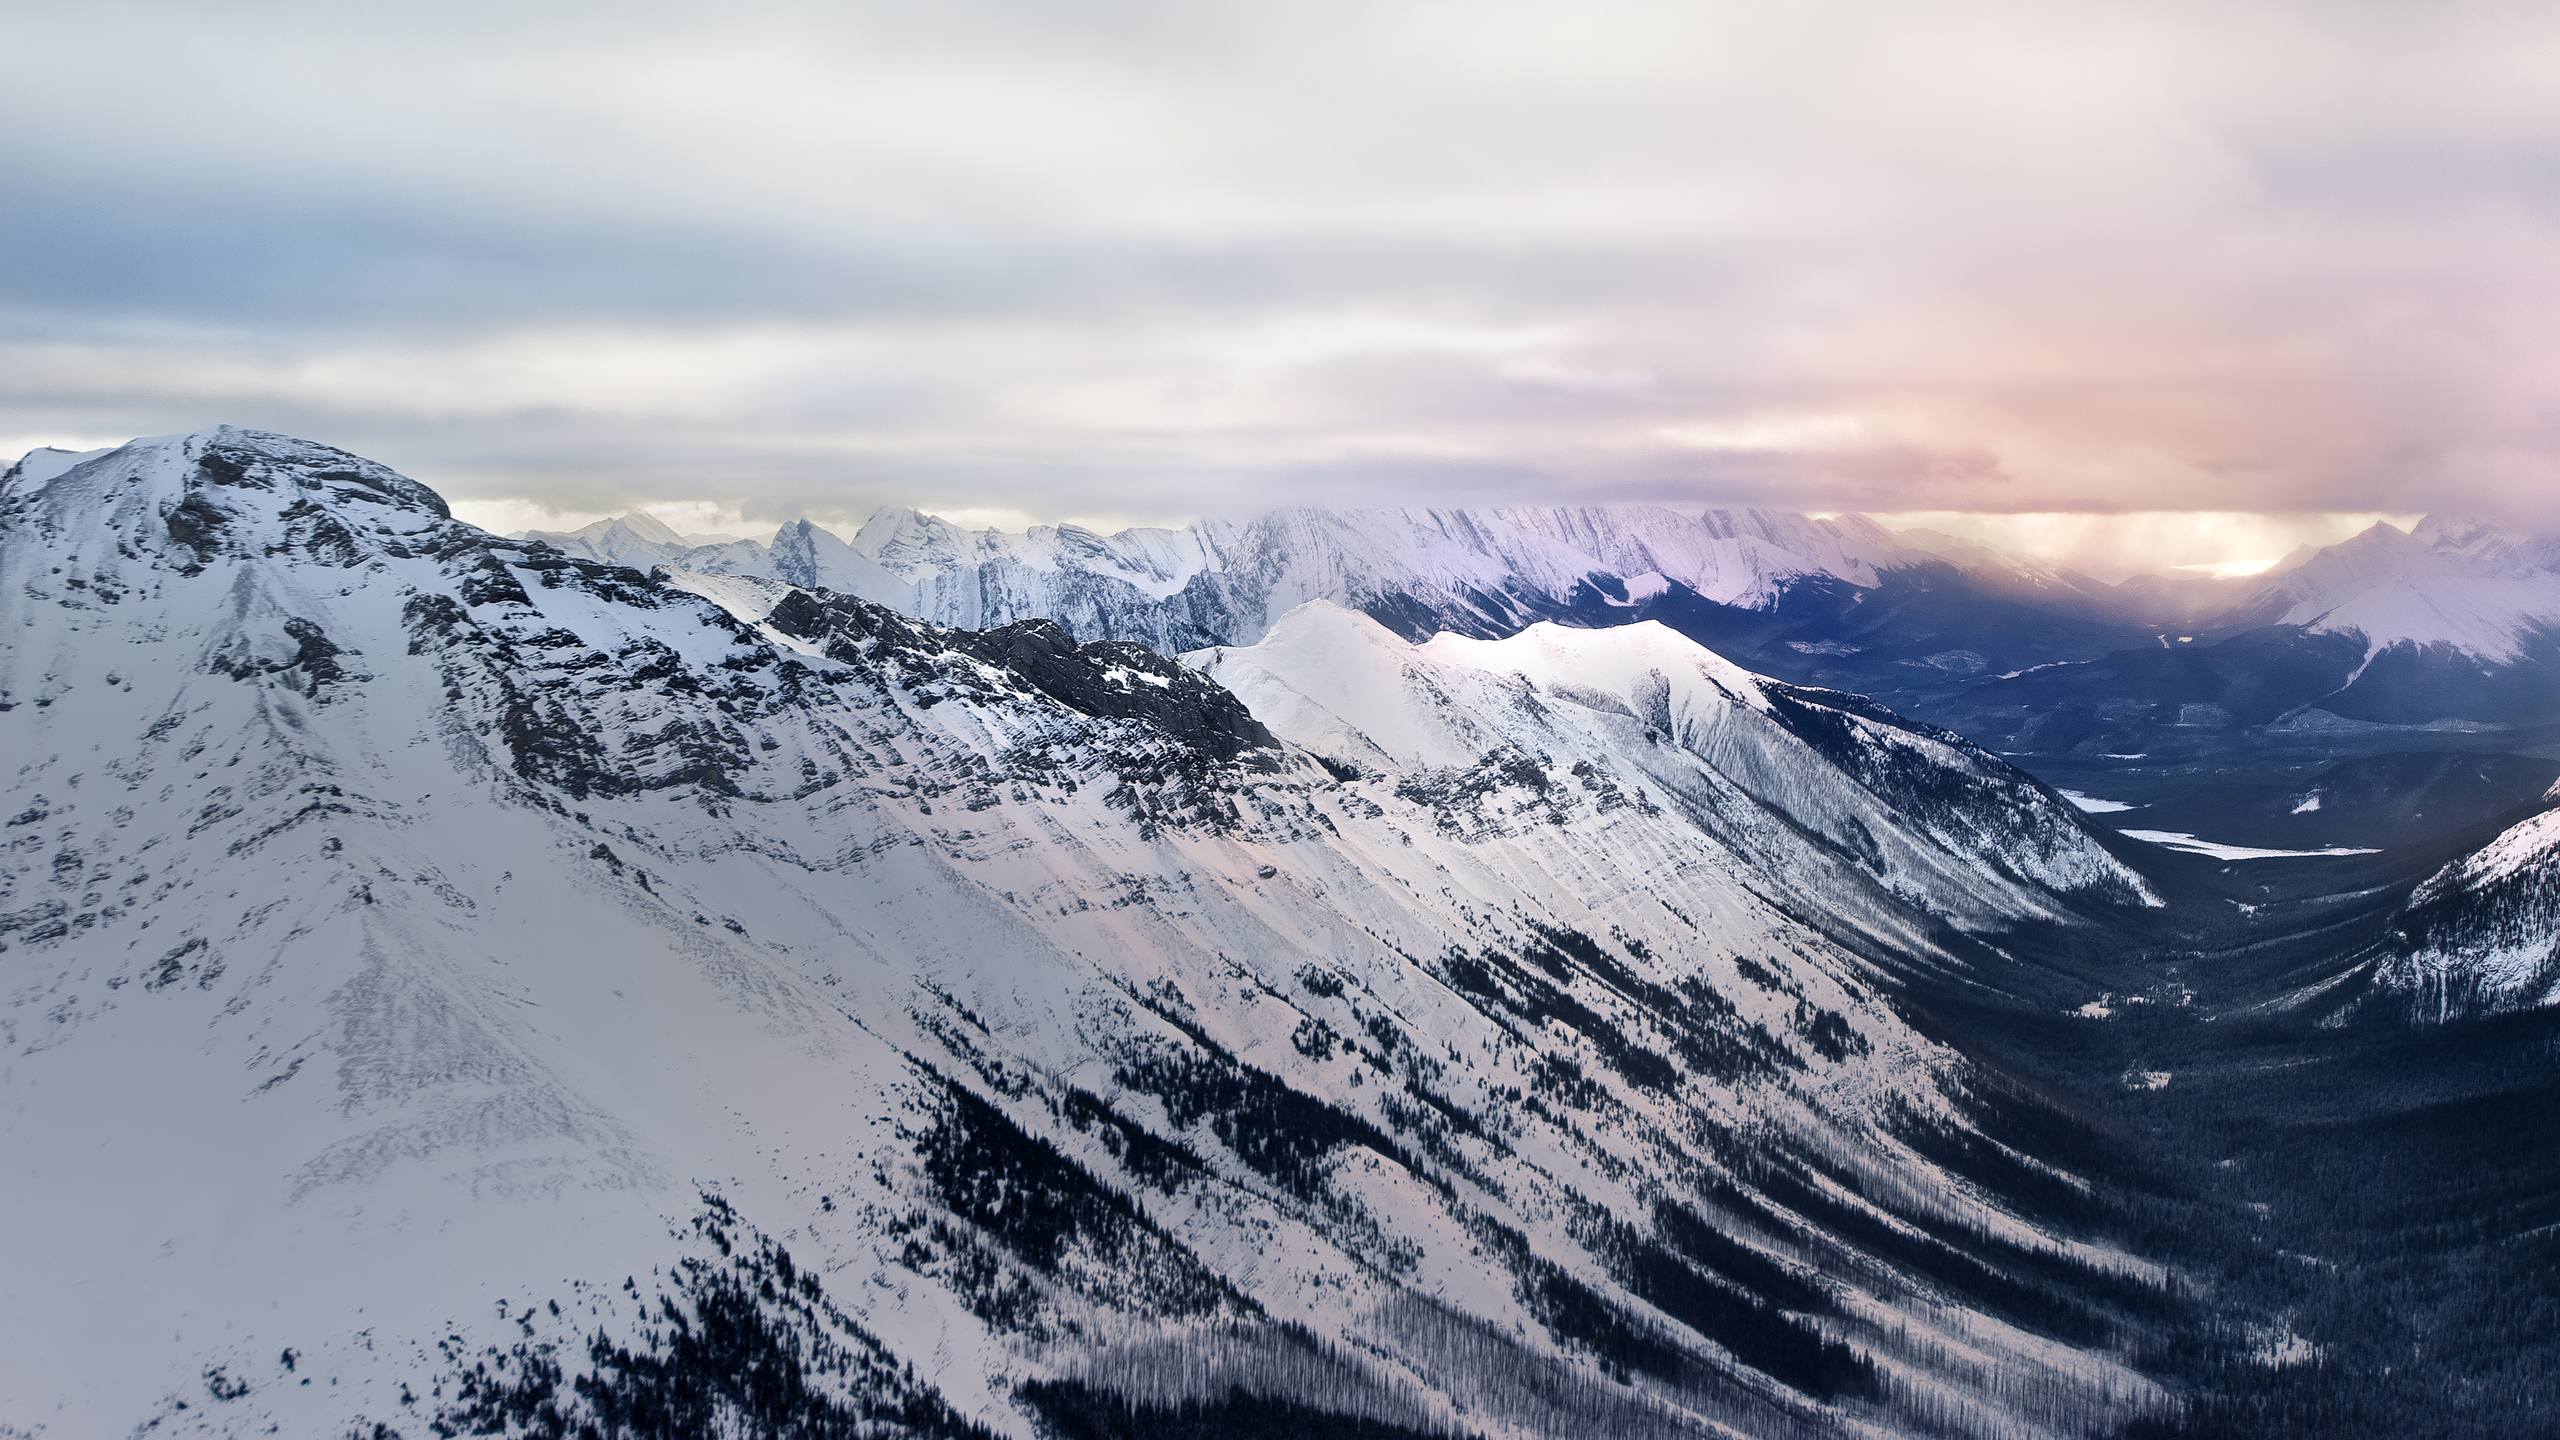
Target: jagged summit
column 228, row 492
column 224, row 455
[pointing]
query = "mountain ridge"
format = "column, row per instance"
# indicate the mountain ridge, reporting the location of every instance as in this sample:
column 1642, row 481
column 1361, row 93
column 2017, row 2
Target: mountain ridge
column 1226, row 579
column 949, row 1003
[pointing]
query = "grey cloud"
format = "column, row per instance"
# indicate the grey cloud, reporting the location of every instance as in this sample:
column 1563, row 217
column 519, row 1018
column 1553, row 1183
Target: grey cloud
column 1174, row 259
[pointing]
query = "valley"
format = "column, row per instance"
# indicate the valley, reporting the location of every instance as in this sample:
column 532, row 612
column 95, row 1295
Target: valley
column 2365, row 1209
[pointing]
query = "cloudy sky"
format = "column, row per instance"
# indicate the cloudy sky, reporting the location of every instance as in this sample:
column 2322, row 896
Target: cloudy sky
column 2247, row 272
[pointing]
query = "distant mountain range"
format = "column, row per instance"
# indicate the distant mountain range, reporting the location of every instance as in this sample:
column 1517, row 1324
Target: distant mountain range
column 2451, row 621
column 1225, row 582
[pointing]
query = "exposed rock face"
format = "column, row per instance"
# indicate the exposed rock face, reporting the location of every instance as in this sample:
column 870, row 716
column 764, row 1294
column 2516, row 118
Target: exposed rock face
column 1107, row 679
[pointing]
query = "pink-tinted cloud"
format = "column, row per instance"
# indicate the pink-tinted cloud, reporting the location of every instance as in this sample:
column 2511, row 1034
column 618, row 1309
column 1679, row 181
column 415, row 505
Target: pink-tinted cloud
column 1162, row 260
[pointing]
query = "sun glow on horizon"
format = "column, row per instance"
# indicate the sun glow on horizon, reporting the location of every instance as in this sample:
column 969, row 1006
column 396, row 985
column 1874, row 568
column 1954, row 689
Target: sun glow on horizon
column 2221, row 544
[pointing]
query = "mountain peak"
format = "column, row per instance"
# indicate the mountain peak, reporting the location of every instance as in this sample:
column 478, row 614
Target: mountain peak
column 1325, row 617
column 642, row 524
column 227, row 488
column 43, row 463
column 638, row 539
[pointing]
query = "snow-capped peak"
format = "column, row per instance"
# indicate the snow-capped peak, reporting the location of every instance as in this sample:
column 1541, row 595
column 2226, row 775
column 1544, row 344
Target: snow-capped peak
column 43, row 463
column 1620, row 660
column 2459, row 583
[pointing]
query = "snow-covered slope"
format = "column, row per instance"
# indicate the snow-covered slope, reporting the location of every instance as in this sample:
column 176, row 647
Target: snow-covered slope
column 2465, row 585
column 1775, row 771
column 2483, row 934
column 452, row 985
column 46, row 461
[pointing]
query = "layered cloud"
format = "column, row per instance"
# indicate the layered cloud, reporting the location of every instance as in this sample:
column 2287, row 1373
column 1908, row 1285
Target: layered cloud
column 1122, row 260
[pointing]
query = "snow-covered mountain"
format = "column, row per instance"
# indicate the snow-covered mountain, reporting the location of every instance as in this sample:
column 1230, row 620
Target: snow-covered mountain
column 1487, row 572
column 459, row 987
column 2463, row 585
column 2483, row 934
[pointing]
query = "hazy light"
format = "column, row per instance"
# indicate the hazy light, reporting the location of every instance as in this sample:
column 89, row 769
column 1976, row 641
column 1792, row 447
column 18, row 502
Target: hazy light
column 2233, row 569
column 2217, row 543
